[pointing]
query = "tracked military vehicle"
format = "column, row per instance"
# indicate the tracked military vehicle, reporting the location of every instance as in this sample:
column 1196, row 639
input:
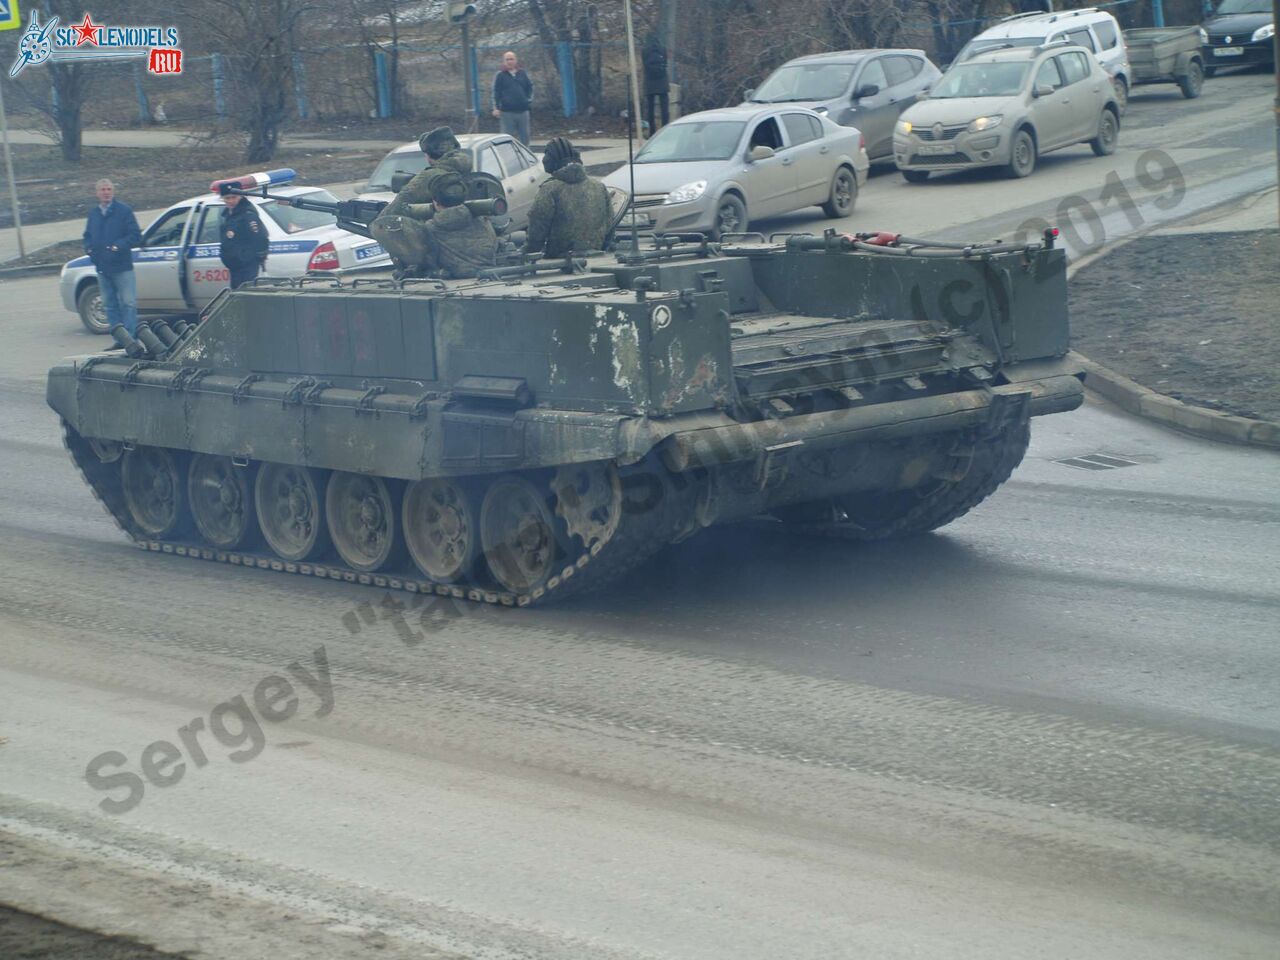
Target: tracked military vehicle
column 545, row 428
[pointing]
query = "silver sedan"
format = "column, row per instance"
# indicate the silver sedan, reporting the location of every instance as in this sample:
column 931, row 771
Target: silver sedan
column 714, row 172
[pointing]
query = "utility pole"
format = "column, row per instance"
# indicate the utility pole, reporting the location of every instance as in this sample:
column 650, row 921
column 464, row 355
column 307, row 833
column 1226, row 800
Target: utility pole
column 461, row 14
column 1275, row 47
column 8, row 169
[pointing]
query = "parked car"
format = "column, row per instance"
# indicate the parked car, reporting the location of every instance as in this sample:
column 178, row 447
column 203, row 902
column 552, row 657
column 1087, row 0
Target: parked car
column 1095, row 30
column 177, row 266
column 1167, row 55
column 1007, row 108
column 507, row 159
column 1240, row 33
column 715, row 171
column 866, row 89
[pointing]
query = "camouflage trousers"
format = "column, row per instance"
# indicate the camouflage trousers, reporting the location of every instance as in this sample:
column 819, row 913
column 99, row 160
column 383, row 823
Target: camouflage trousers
column 404, row 239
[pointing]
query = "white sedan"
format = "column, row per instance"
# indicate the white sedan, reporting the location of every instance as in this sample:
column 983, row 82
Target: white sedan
column 497, row 154
column 177, row 265
column 714, row 172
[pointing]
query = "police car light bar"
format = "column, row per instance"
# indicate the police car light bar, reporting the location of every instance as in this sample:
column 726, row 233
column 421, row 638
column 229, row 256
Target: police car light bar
column 250, row 181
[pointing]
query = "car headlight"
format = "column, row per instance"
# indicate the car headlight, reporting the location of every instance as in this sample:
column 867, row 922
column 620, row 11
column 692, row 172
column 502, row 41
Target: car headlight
column 904, row 127
column 985, row 123
column 690, row 191
column 1204, row 36
column 1264, row 33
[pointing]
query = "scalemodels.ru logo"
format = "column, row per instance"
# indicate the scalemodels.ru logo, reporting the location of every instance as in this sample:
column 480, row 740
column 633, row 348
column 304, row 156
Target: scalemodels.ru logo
column 97, row 41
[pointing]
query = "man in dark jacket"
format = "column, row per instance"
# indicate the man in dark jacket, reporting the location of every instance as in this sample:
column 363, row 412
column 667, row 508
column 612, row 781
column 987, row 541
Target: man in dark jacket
column 512, row 97
column 656, row 82
column 571, row 211
column 244, row 240
column 458, row 243
column 399, row 227
column 110, row 234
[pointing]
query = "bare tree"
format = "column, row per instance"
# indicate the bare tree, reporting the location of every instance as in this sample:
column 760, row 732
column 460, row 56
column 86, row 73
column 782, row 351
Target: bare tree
column 380, row 24
column 258, row 39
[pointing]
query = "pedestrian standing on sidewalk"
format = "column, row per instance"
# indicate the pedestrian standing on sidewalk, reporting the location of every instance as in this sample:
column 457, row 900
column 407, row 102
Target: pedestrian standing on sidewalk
column 512, row 97
column 656, row 82
column 110, row 234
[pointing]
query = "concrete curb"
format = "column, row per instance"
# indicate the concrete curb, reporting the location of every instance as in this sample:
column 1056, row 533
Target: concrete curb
column 1149, row 404
column 30, row 270
column 1203, row 422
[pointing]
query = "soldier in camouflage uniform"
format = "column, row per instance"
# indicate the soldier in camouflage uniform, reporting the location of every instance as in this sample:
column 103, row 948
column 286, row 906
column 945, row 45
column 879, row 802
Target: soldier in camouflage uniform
column 400, row 226
column 571, row 211
column 458, row 243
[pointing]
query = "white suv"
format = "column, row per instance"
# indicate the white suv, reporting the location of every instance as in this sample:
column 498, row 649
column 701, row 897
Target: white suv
column 1090, row 28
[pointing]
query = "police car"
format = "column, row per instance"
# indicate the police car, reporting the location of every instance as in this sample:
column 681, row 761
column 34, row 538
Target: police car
column 177, row 266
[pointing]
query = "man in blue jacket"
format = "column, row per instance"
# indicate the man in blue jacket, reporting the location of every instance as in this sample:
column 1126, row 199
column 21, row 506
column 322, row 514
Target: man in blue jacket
column 110, row 235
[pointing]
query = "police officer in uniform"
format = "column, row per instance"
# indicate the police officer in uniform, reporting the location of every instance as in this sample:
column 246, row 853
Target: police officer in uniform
column 457, row 242
column 571, row 211
column 243, row 249
column 399, row 227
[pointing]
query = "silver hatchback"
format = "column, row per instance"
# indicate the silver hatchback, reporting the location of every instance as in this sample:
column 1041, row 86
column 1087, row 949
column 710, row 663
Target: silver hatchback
column 1007, row 108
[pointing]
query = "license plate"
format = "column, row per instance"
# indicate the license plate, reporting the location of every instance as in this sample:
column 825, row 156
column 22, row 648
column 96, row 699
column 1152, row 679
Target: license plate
column 364, row 253
column 935, row 149
column 1229, row 52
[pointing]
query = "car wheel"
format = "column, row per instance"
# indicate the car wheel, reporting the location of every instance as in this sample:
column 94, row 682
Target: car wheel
column 731, row 216
column 1193, row 80
column 915, row 176
column 92, row 313
column 1104, row 144
column 1022, row 156
column 1122, row 93
column 844, row 194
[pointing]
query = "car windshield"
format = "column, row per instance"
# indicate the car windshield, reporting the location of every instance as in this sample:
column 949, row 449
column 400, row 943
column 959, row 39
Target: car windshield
column 293, row 220
column 1243, row 6
column 410, row 163
column 975, row 47
column 805, row 81
column 980, row 80
column 681, row 142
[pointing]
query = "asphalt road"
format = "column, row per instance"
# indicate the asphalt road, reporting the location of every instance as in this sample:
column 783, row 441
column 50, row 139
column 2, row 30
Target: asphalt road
column 1050, row 730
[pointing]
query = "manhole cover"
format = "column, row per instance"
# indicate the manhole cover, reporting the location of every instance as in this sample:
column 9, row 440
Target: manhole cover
column 1097, row 461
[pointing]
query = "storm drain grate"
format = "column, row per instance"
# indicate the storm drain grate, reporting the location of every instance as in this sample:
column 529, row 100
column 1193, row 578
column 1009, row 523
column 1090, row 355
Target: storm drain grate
column 1097, row 461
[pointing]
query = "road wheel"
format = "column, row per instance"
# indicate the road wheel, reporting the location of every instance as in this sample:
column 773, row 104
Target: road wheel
column 517, row 534
column 290, row 510
column 1122, row 93
column 440, row 528
column 844, row 194
column 363, row 514
column 154, row 491
column 1210, row 71
column 1104, row 144
column 915, row 176
column 221, row 498
column 731, row 216
column 92, row 312
column 1022, row 158
column 1193, row 80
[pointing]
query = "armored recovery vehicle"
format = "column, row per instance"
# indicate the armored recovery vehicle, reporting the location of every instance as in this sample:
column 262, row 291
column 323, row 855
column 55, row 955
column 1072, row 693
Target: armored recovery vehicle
column 541, row 430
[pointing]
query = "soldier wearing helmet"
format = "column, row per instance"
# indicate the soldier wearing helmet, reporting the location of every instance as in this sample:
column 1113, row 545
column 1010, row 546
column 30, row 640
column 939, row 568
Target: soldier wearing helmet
column 456, row 242
column 571, row 211
column 399, row 226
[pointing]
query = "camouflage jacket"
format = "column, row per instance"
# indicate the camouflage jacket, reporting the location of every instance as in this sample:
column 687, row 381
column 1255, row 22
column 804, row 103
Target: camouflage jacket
column 459, row 243
column 418, row 190
column 571, row 212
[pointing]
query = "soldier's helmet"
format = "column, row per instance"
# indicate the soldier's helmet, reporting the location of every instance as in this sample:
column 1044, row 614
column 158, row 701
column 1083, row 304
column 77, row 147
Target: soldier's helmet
column 558, row 153
column 450, row 190
column 436, row 143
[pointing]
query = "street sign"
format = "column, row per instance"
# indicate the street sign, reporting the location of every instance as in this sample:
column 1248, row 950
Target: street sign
column 10, row 19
